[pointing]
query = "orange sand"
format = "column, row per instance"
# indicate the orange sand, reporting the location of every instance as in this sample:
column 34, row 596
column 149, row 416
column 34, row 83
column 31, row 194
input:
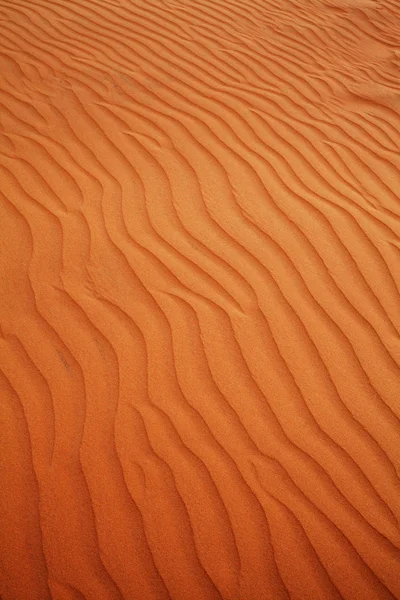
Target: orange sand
column 199, row 299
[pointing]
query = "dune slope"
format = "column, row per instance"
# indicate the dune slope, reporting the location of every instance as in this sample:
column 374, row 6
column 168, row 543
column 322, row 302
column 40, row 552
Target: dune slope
column 199, row 299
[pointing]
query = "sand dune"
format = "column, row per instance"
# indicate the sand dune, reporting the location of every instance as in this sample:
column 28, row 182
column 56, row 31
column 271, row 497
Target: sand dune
column 199, row 300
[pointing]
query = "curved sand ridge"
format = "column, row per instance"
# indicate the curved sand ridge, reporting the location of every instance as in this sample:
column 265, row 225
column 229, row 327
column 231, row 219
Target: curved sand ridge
column 199, row 303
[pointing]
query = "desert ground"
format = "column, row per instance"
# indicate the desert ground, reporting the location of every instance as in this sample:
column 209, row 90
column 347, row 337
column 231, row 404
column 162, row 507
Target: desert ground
column 199, row 299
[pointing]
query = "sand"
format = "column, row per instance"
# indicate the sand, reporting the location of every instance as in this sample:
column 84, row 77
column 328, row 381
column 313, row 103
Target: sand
column 199, row 299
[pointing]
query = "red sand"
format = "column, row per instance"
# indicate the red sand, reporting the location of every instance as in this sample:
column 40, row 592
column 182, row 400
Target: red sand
column 199, row 299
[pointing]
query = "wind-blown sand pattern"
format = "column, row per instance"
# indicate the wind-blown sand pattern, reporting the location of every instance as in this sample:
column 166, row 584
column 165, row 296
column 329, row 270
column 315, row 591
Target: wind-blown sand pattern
column 199, row 301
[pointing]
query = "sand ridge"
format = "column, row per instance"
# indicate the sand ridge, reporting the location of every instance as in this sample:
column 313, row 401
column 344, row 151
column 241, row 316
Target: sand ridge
column 199, row 300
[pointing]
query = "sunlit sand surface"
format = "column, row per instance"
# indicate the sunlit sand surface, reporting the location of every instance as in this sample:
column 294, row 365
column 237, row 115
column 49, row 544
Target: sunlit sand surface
column 199, row 299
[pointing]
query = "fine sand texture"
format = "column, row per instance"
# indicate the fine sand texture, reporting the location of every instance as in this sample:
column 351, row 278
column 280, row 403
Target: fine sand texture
column 199, row 299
